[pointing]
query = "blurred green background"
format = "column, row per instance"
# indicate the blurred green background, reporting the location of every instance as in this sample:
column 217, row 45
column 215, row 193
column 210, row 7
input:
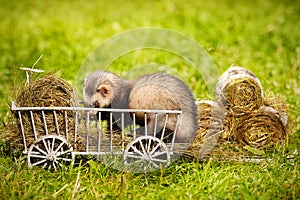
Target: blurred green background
column 261, row 35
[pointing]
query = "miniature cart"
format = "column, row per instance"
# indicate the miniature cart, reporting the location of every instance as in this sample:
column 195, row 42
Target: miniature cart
column 69, row 131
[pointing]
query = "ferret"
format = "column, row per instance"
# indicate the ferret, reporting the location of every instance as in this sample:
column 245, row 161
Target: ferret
column 107, row 90
column 157, row 91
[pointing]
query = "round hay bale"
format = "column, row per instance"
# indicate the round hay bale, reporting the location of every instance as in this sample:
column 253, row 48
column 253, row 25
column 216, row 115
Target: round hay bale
column 259, row 128
column 210, row 125
column 47, row 91
column 239, row 90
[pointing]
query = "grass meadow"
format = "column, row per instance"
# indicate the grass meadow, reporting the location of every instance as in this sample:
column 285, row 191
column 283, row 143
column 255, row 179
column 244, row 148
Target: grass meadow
column 261, row 35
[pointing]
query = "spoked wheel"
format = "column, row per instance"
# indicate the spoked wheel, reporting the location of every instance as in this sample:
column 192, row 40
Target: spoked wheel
column 50, row 152
column 146, row 153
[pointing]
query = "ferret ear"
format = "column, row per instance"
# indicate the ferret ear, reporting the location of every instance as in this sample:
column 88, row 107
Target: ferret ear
column 103, row 90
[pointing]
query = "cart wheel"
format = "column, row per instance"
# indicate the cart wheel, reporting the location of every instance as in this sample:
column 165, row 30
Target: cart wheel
column 50, row 152
column 146, row 153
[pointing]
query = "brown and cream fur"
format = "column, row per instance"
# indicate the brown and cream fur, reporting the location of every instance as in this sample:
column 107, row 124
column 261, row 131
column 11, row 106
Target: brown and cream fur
column 158, row 91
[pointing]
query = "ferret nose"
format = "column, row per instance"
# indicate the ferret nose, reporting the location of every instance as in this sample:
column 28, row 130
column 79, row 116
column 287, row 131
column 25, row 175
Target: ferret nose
column 96, row 104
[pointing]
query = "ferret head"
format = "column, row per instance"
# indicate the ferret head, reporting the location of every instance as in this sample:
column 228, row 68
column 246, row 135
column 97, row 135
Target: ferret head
column 99, row 88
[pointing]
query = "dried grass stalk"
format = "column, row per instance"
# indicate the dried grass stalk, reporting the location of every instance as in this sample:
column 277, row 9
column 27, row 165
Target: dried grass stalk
column 47, row 91
column 239, row 91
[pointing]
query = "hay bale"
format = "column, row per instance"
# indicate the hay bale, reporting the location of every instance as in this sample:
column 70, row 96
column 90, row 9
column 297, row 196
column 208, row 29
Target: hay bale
column 250, row 118
column 210, row 125
column 239, row 90
column 47, row 91
column 259, row 128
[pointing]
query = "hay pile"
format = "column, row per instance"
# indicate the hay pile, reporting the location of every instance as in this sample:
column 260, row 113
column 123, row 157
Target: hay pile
column 247, row 117
column 251, row 119
column 47, row 91
column 210, row 126
column 93, row 134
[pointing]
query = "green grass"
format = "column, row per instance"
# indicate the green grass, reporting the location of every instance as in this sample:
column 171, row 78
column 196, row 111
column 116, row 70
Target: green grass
column 261, row 35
